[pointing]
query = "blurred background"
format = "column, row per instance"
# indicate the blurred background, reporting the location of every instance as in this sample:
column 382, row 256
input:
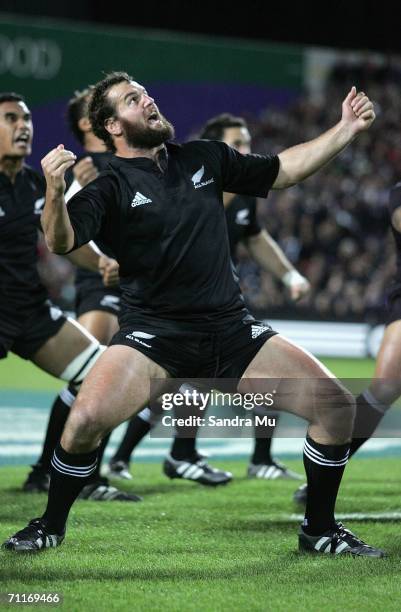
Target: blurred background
column 286, row 72
column 286, row 69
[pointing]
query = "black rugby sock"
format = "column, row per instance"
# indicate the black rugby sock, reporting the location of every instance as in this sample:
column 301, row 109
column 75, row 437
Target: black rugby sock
column 183, row 448
column 369, row 413
column 55, row 426
column 69, row 474
column 324, row 467
column 262, row 451
column 263, row 441
column 137, row 429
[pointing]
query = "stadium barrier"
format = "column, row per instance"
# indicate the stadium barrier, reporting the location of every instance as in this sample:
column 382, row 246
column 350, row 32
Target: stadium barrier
column 332, row 339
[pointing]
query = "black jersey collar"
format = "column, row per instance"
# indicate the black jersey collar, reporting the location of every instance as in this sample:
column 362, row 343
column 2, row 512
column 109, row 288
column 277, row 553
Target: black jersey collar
column 146, row 162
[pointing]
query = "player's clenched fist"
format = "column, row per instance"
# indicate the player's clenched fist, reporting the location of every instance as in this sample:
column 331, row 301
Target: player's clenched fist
column 54, row 166
column 358, row 111
column 109, row 269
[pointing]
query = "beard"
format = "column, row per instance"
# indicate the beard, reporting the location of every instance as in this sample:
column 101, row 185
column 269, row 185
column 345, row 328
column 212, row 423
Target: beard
column 146, row 137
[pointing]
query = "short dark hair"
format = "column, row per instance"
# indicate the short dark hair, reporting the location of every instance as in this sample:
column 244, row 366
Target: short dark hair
column 76, row 109
column 10, row 96
column 100, row 107
column 214, row 128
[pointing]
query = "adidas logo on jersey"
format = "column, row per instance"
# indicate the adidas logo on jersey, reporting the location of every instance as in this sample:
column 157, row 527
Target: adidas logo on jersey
column 140, row 199
column 197, row 177
column 256, row 330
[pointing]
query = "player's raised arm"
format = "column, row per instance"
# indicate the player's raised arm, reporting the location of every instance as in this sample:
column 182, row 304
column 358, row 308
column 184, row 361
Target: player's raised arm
column 301, row 161
column 59, row 234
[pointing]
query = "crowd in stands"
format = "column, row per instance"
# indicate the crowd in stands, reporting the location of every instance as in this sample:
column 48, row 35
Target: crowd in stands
column 335, row 226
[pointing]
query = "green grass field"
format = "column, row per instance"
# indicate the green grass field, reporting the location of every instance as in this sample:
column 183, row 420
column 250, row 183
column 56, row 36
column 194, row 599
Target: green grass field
column 187, row 547
column 191, row 548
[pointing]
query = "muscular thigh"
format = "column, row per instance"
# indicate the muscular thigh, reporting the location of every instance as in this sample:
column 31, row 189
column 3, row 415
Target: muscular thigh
column 300, row 382
column 388, row 362
column 59, row 350
column 103, row 325
column 97, row 307
column 118, row 386
column 386, row 383
column 280, row 358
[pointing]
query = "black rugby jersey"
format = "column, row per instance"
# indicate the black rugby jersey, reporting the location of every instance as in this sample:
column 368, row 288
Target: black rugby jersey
column 394, row 203
column 242, row 221
column 86, row 277
column 21, row 205
column 166, row 224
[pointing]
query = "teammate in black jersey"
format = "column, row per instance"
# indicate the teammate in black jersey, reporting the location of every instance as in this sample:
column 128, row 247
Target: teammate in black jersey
column 385, row 388
column 96, row 309
column 243, row 226
column 30, row 325
column 160, row 211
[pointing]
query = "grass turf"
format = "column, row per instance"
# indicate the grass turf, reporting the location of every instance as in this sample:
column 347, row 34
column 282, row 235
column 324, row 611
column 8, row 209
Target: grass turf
column 192, row 548
column 187, row 547
column 17, row 373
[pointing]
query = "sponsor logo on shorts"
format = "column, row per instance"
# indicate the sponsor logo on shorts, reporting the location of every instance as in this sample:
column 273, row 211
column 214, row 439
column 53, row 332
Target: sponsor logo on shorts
column 242, row 217
column 140, row 199
column 256, row 330
column 111, row 301
column 136, row 335
column 38, row 206
column 197, row 177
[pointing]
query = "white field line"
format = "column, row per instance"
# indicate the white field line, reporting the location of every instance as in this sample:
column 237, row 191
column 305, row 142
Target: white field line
column 395, row 515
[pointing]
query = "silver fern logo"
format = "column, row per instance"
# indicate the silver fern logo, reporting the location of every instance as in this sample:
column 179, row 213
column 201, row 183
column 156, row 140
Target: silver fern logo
column 38, row 206
column 197, row 177
column 139, row 334
column 139, row 337
column 111, row 301
column 242, row 217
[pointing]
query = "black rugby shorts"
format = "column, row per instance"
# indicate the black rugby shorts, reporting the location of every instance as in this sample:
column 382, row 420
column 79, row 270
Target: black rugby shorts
column 192, row 354
column 94, row 297
column 24, row 331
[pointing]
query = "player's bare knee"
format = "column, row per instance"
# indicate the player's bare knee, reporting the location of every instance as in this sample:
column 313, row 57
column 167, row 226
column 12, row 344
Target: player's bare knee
column 83, row 428
column 335, row 410
column 346, row 409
